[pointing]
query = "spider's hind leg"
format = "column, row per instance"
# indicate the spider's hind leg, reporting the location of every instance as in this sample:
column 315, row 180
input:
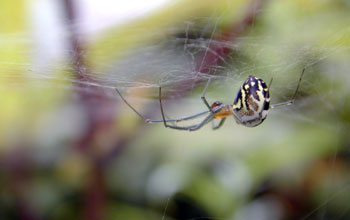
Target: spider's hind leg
column 291, row 101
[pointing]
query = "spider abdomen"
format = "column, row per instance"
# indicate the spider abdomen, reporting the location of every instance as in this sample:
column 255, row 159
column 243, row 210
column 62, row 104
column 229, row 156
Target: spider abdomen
column 252, row 102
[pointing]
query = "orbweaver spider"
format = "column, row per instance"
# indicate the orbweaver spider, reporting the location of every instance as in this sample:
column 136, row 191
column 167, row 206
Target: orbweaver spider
column 249, row 108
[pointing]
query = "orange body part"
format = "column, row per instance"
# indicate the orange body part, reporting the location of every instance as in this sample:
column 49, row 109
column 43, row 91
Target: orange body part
column 223, row 113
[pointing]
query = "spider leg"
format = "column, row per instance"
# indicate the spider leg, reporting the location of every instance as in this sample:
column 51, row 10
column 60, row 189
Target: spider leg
column 130, row 106
column 270, row 82
column 203, row 95
column 193, row 127
column 219, row 125
column 174, row 126
column 239, row 120
column 189, row 128
column 291, row 101
column 208, row 119
column 236, row 116
column 155, row 121
column 182, row 118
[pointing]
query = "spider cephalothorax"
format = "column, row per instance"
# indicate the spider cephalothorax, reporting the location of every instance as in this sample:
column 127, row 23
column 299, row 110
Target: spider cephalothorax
column 249, row 108
column 221, row 110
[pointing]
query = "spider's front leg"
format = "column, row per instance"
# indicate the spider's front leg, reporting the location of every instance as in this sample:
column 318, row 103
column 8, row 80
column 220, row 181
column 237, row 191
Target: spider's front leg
column 203, row 95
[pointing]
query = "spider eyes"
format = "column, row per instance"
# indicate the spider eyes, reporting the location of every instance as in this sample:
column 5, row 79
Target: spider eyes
column 216, row 104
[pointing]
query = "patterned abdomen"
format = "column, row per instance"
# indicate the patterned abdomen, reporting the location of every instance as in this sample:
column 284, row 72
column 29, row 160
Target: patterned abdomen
column 252, row 102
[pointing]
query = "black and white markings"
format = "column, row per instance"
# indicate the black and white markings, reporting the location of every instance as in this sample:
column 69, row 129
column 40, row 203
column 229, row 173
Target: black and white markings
column 252, row 102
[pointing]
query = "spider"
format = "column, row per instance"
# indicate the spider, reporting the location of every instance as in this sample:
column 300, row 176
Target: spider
column 250, row 107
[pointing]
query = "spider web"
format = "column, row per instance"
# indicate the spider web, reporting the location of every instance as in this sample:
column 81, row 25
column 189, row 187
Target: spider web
column 172, row 61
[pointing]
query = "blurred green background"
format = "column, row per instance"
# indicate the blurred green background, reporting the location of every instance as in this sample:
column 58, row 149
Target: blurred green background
column 71, row 149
